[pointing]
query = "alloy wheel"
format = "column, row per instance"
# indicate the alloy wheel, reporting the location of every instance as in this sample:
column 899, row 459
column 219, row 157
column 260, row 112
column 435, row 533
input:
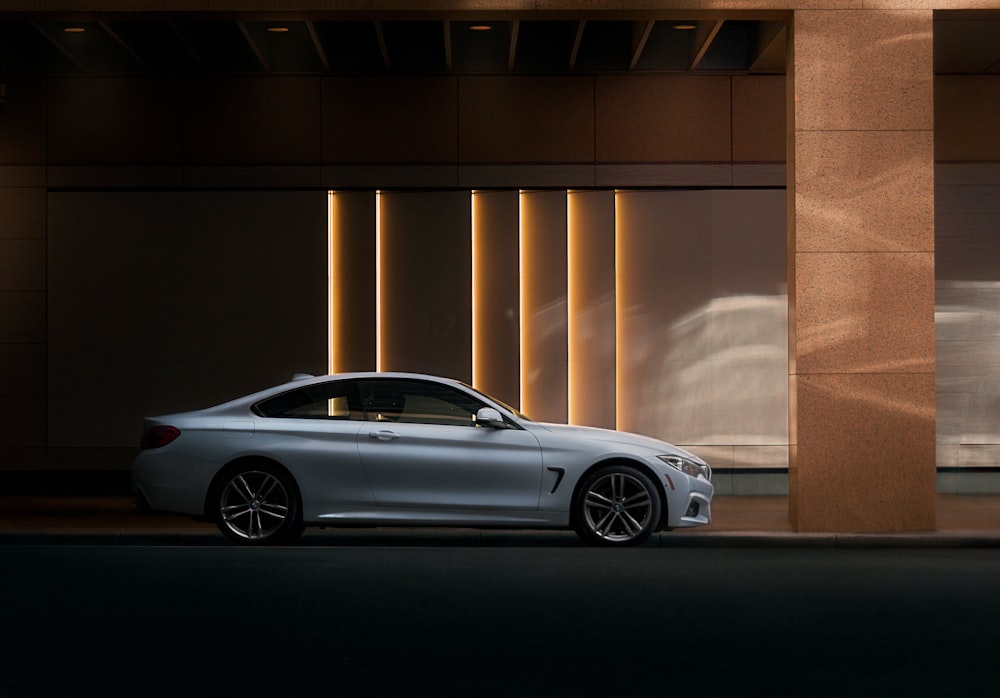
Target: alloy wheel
column 617, row 507
column 254, row 505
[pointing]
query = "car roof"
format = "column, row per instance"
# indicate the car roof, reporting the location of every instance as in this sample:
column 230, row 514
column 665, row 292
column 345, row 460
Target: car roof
column 300, row 381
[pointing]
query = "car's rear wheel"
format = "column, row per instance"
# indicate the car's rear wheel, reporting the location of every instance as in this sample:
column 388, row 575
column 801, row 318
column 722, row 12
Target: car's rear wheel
column 617, row 505
column 257, row 503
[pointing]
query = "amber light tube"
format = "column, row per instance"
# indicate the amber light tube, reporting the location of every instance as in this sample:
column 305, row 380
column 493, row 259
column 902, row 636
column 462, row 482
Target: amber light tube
column 522, row 340
column 619, row 310
column 476, row 311
column 378, row 281
column 573, row 308
column 332, row 299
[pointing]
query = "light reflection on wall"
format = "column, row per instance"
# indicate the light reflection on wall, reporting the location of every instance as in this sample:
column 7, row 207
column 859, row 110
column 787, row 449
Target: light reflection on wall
column 967, row 321
column 967, row 317
column 702, row 322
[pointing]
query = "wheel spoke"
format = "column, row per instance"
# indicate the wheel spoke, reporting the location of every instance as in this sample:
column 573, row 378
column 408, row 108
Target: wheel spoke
column 633, row 526
column 232, row 517
column 246, row 493
column 612, row 529
column 598, row 500
column 267, row 487
column 638, row 499
column 278, row 513
column 599, row 527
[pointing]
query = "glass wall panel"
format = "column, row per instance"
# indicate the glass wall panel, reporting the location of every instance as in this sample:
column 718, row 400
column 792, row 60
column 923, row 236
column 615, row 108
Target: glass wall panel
column 702, row 322
column 591, row 249
column 967, row 325
column 352, row 281
column 496, row 295
column 543, row 305
column 425, row 283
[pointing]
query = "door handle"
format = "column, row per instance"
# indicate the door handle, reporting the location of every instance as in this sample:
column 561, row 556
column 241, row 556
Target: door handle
column 383, row 435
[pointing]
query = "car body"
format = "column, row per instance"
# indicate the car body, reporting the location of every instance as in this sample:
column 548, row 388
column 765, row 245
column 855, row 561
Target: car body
column 403, row 449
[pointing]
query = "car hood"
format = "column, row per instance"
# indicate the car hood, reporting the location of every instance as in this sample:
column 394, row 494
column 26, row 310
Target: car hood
column 623, row 439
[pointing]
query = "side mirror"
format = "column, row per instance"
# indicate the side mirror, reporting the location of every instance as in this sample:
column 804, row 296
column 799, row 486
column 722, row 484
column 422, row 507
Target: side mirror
column 489, row 417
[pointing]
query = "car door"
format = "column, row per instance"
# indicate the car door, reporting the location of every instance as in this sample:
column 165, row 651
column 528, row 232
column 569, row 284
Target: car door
column 421, row 448
column 313, row 431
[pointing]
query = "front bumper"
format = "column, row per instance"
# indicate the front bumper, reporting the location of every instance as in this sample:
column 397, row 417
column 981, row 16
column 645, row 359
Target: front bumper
column 692, row 505
column 698, row 511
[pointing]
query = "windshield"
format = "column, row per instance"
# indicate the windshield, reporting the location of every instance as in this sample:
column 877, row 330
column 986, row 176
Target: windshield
column 517, row 413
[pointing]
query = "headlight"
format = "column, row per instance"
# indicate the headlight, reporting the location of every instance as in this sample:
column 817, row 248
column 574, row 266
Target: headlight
column 688, row 467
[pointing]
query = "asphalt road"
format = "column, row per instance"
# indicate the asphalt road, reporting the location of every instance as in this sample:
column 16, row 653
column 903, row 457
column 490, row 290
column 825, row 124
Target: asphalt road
column 549, row 619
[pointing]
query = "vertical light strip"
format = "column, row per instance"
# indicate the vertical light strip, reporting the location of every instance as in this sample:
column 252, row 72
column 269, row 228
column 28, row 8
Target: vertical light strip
column 618, row 316
column 331, row 298
column 475, row 294
column 520, row 297
column 614, row 202
column 571, row 299
column 378, row 280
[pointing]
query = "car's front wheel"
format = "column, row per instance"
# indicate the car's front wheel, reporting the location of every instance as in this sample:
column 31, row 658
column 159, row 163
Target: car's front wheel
column 257, row 503
column 617, row 505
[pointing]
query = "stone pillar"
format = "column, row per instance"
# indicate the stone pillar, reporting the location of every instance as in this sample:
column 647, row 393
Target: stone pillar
column 861, row 271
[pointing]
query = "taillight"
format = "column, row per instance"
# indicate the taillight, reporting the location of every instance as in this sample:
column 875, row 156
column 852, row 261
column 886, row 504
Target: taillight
column 158, row 436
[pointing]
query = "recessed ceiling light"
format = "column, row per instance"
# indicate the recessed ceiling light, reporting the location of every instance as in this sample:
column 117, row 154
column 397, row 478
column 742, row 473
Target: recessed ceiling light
column 277, row 30
column 74, row 30
column 480, row 27
column 684, row 26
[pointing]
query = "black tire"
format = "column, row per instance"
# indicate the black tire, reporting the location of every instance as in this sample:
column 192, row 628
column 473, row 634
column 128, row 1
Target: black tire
column 617, row 505
column 257, row 503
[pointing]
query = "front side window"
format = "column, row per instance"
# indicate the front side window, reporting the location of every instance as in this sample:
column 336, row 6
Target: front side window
column 417, row 402
column 331, row 400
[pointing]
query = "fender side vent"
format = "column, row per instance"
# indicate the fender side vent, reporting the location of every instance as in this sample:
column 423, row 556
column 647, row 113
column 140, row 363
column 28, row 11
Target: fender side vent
column 560, row 472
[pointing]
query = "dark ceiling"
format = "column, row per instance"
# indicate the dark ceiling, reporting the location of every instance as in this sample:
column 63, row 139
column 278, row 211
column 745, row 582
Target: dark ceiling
column 965, row 43
column 116, row 47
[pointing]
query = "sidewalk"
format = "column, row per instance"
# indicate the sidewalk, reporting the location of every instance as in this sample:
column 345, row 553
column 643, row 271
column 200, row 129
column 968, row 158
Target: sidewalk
column 963, row 521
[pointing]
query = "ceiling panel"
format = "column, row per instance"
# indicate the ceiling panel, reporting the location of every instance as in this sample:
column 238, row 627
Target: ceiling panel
column 286, row 47
column 91, row 47
column 481, row 47
column 157, row 46
column 218, row 47
column 730, row 47
column 415, row 47
column 544, row 46
column 351, row 47
column 669, row 47
column 605, row 47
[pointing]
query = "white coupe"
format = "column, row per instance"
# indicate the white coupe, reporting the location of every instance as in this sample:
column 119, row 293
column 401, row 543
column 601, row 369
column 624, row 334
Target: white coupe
column 399, row 449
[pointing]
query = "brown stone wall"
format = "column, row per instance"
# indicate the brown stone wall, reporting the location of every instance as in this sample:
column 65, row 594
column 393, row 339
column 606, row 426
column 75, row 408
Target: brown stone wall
column 861, row 271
